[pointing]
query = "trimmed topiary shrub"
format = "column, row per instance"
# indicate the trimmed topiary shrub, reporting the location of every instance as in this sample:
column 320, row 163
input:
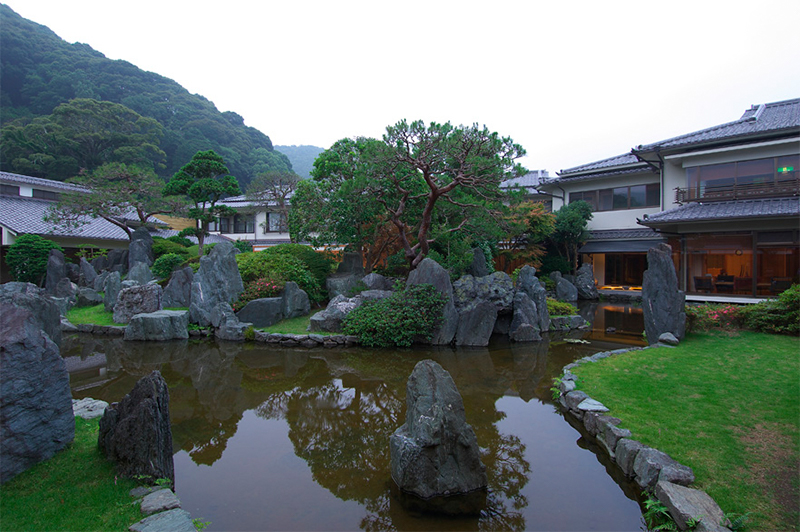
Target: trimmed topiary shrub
column 163, row 246
column 407, row 315
column 182, row 240
column 320, row 264
column 27, row 258
column 280, row 268
column 243, row 245
column 166, row 264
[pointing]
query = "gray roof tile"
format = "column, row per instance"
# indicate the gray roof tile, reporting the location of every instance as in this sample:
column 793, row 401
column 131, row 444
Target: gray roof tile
column 727, row 210
column 17, row 179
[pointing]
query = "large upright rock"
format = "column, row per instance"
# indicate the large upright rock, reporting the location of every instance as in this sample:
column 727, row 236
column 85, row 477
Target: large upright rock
column 137, row 300
column 528, row 282
column 525, row 324
column 262, row 312
column 584, row 282
column 44, row 309
column 430, row 272
column 476, row 324
column 217, row 281
column 178, row 292
column 117, row 261
column 435, row 453
column 565, row 290
column 663, row 305
column 111, row 289
column 88, row 274
column 376, row 281
column 351, row 263
column 140, row 248
column 135, row 433
column 294, row 301
column 140, row 272
column 56, row 270
column 479, row 267
column 36, row 418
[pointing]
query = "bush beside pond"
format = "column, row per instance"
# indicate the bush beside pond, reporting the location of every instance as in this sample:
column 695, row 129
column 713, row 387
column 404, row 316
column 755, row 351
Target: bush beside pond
column 779, row 316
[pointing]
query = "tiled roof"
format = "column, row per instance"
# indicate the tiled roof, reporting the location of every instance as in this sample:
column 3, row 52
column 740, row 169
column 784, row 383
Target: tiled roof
column 17, row 179
column 210, row 239
column 619, row 160
column 727, row 210
column 769, row 117
column 603, row 174
column 624, row 234
column 25, row 215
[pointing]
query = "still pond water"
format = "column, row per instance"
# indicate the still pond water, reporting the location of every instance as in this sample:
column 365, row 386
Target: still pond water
column 271, row 438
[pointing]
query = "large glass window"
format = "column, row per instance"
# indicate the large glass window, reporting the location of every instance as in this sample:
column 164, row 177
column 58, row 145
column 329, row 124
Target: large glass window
column 620, row 198
column 244, row 223
column 753, row 177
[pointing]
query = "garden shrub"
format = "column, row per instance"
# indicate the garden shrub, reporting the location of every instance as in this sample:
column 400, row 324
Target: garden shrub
column 409, row 314
column 709, row 316
column 281, row 268
column 182, row 240
column 243, row 245
column 162, row 246
column 258, row 289
column 553, row 262
column 320, row 264
column 27, row 258
column 780, row 316
column 166, row 264
column 560, row 308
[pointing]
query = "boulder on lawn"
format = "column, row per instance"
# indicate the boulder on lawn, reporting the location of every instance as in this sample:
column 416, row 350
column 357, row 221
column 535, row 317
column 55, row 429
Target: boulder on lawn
column 137, row 300
column 663, row 305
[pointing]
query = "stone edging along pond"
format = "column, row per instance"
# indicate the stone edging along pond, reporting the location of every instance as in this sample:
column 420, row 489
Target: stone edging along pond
column 651, row 469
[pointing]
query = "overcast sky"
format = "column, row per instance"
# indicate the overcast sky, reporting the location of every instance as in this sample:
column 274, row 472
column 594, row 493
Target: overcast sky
column 571, row 81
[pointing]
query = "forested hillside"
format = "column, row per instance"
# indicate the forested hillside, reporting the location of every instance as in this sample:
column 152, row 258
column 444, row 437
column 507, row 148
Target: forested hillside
column 301, row 157
column 49, row 94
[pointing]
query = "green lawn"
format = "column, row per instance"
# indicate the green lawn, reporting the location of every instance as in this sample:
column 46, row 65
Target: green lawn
column 77, row 489
column 95, row 315
column 293, row 325
column 725, row 404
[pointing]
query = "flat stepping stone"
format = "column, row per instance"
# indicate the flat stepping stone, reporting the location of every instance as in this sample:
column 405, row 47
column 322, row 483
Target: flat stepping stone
column 176, row 520
column 160, row 501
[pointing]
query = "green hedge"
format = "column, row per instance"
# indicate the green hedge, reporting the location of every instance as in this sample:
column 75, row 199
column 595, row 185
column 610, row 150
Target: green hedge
column 278, row 268
column 407, row 315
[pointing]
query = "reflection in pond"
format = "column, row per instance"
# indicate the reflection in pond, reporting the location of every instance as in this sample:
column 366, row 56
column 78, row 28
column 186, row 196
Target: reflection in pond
column 298, row 439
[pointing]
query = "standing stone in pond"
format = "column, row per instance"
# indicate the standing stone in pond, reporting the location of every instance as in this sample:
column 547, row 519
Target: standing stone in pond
column 135, row 433
column 435, row 453
column 584, row 282
column 663, row 305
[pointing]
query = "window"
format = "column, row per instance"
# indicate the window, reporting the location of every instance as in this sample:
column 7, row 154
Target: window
column 705, row 181
column 45, row 194
column 9, row 190
column 244, row 223
column 620, row 198
column 224, row 225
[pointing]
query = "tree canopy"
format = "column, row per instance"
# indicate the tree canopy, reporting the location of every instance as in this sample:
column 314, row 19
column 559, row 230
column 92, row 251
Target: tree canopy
column 39, row 71
column 272, row 191
column 571, row 229
column 204, row 181
column 425, row 182
column 120, row 193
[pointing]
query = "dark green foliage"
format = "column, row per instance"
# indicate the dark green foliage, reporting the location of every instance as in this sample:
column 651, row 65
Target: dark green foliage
column 571, row 230
column 278, row 268
column 320, row 264
column 780, row 316
column 39, row 71
column 166, row 264
column 560, row 308
column 27, row 258
column 408, row 315
column 243, row 245
column 553, row 262
column 185, row 242
column 162, row 246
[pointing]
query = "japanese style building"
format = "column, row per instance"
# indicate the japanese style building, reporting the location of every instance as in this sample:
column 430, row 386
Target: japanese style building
column 726, row 198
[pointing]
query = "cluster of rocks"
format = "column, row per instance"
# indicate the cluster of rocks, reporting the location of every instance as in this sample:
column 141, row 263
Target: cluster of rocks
column 475, row 307
column 163, row 511
column 651, row 469
column 435, row 455
column 306, row 340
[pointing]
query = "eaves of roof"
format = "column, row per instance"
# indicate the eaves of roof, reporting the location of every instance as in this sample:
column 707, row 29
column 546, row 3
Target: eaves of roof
column 726, row 210
column 638, row 169
column 18, row 179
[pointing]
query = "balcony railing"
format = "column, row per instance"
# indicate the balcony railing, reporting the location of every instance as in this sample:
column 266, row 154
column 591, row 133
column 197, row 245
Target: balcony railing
column 781, row 189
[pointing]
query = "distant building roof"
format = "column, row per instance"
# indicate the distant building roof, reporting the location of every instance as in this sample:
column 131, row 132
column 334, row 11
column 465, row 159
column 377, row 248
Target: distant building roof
column 18, row 179
column 25, row 215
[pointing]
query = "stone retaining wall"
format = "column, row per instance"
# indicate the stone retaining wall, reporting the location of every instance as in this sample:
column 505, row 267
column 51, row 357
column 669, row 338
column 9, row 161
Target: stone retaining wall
column 651, row 469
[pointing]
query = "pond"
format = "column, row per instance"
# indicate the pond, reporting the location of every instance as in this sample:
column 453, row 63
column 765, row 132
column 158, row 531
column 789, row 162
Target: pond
column 271, row 438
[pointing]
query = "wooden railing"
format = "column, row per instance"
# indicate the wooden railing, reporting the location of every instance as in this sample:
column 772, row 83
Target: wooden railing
column 781, row 189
